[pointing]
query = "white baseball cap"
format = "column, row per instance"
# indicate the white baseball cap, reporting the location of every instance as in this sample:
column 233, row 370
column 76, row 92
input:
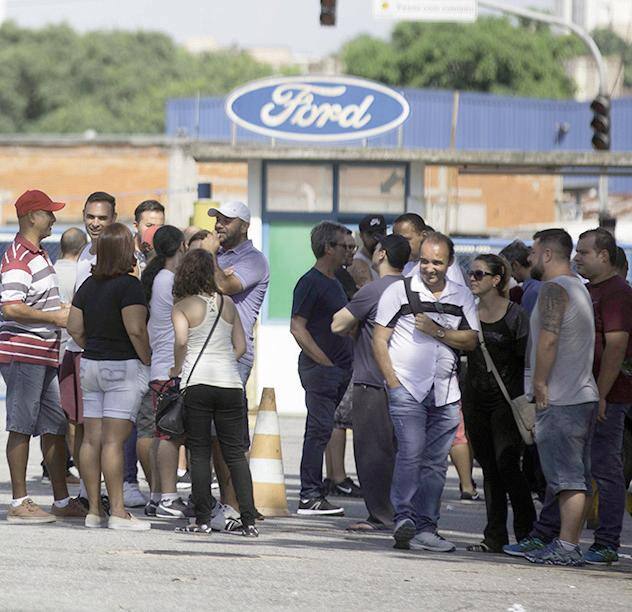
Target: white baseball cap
column 232, row 210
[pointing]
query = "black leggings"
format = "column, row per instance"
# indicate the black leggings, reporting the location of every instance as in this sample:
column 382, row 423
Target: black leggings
column 202, row 405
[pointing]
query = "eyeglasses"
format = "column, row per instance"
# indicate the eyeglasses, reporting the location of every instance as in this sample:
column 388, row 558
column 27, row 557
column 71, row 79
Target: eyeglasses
column 349, row 247
column 478, row 275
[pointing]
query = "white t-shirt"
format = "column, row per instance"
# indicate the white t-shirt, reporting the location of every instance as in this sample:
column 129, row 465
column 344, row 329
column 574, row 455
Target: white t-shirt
column 66, row 270
column 421, row 362
column 84, row 269
column 160, row 326
column 454, row 273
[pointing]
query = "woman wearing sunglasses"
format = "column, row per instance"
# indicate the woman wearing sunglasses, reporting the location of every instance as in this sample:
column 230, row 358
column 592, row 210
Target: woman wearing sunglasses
column 489, row 421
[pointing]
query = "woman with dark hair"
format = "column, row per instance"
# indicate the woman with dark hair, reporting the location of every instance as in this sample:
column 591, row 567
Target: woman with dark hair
column 108, row 320
column 489, row 420
column 157, row 280
column 214, row 391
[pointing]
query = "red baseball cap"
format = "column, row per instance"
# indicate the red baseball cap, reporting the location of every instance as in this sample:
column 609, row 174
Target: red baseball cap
column 34, row 199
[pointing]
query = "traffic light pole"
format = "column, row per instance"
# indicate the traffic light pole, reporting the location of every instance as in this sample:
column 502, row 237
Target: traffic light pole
column 594, row 50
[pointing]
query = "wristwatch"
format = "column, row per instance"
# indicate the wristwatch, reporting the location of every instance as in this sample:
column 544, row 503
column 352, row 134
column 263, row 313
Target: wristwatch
column 440, row 333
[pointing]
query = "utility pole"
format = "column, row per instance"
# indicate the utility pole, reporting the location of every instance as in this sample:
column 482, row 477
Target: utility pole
column 595, row 52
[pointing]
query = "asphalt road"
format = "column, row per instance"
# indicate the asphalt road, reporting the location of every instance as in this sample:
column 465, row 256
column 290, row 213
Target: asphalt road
column 297, row 563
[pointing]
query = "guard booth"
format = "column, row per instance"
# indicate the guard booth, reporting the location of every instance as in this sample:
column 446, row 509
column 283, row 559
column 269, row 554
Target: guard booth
column 334, row 148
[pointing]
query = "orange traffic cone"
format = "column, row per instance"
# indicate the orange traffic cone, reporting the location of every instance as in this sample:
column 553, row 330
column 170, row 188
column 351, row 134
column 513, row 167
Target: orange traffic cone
column 266, row 462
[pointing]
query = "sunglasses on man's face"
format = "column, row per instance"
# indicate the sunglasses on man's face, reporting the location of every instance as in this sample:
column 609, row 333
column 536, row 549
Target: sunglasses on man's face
column 478, row 275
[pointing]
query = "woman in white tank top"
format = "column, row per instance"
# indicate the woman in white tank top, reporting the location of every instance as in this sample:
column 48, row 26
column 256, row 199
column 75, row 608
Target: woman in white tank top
column 214, row 392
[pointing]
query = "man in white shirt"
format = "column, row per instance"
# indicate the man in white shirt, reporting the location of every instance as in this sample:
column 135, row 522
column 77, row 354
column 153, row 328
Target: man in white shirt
column 421, row 324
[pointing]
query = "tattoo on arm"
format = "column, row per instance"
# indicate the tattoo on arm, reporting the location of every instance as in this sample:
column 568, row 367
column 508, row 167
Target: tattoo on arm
column 551, row 305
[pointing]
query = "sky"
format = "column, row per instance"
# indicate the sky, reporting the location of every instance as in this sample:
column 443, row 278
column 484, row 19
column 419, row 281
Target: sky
column 246, row 23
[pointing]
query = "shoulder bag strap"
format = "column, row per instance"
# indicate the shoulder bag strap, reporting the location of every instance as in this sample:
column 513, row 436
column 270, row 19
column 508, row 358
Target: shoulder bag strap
column 489, row 362
column 219, row 314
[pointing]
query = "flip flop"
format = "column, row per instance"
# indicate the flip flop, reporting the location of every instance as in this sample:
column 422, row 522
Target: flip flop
column 366, row 526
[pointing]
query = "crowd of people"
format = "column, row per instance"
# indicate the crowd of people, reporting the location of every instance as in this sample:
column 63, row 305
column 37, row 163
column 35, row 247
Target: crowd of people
column 136, row 311
column 439, row 358
column 423, row 359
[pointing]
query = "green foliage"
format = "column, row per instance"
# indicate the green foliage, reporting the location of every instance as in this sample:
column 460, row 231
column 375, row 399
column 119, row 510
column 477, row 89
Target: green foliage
column 56, row 80
column 492, row 55
column 610, row 43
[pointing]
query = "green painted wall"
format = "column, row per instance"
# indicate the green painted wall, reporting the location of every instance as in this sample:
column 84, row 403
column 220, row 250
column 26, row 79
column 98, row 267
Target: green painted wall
column 290, row 256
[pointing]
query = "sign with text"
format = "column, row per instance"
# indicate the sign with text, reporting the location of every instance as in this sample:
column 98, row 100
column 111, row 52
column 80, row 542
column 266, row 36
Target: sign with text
column 426, row 10
column 317, row 108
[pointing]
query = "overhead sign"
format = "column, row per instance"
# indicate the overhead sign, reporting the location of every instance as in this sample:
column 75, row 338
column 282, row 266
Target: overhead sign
column 317, row 108
column 426, row 10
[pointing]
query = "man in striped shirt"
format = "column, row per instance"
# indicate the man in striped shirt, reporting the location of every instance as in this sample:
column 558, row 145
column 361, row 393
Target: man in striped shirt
column 29, row 355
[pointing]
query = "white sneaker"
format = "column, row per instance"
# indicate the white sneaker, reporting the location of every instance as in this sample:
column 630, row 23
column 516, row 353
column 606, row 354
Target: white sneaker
column 94, row 521
column 129, row 524
column 132, row 496
column 225, row 518
column 431, row 541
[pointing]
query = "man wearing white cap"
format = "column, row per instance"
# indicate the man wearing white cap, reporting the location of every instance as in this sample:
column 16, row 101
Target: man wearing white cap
column 242, row 272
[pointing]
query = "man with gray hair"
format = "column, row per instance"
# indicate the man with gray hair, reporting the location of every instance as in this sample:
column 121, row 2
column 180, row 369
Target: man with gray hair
column 324, row 364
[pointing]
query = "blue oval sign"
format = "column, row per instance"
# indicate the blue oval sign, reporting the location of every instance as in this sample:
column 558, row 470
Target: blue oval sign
column 317, row 108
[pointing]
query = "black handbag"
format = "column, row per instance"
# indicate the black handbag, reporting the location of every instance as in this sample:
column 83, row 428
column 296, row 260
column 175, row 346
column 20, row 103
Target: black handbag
column 170, row 404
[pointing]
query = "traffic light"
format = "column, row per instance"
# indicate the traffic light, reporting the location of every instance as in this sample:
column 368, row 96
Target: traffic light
column 327, row 12
column 600, row 123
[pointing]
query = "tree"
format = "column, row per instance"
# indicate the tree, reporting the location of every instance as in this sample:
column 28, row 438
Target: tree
column 56, row 80
column 492, row 55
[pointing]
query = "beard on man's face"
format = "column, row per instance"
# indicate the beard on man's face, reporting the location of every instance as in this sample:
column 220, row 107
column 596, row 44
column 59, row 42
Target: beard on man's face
column 536, row 272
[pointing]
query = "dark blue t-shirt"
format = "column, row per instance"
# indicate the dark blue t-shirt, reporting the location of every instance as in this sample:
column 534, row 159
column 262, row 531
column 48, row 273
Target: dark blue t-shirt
column 317, row 298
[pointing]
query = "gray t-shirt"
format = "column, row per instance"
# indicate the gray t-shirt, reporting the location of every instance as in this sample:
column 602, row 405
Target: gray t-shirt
column 571, row 379
column 363, row 307
column 250, row 266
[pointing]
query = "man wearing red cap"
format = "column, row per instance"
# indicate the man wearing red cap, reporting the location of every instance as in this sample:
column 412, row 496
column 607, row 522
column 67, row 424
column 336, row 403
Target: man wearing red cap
column 29, row 355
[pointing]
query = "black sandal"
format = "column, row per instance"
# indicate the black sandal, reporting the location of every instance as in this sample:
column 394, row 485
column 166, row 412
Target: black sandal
column 200, row 529
column 480, row 548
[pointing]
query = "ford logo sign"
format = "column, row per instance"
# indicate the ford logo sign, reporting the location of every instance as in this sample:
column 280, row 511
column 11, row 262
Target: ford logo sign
column 317, row 108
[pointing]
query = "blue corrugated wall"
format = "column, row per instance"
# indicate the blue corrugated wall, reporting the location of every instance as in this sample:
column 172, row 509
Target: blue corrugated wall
column 485, row 122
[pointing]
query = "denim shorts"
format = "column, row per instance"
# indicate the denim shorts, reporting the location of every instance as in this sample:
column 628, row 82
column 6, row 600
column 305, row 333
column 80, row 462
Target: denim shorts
column 564, row 435
column 113, row 389
column 33, row 405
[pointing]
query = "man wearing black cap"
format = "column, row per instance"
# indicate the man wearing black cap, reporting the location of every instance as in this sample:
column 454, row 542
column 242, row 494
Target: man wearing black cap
column 29, row 356
column 372, row 228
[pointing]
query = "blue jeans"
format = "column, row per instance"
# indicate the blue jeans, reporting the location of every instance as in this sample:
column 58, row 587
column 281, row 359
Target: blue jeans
column 324, row 388
column 424, row 435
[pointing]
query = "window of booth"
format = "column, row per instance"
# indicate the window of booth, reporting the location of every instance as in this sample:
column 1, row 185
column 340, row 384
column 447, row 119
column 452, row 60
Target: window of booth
column 299, row 188
column 367, row 189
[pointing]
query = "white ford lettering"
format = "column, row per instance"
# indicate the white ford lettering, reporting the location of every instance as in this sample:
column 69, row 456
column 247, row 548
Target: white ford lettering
column 294, row 103
column 317, row 108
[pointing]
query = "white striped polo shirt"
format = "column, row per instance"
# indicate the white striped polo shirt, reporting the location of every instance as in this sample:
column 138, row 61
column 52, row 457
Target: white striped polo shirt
column 27, row 277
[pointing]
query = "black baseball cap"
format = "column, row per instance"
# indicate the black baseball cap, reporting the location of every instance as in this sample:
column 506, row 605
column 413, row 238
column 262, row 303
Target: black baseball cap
column 373, row 224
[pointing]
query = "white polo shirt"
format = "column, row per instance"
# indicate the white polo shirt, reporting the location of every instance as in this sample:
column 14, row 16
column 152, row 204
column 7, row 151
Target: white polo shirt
column 421, row 362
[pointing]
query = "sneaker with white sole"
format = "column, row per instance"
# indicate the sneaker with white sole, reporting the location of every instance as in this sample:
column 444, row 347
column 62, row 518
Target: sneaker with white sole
column 28, row 513
column 94, row 521
column 132, row 496
column 318, row 506
column 131, row 523
column 225, row 518
column 433, row 542
column 171, row 508
column 184, row 481
column 555, row 553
